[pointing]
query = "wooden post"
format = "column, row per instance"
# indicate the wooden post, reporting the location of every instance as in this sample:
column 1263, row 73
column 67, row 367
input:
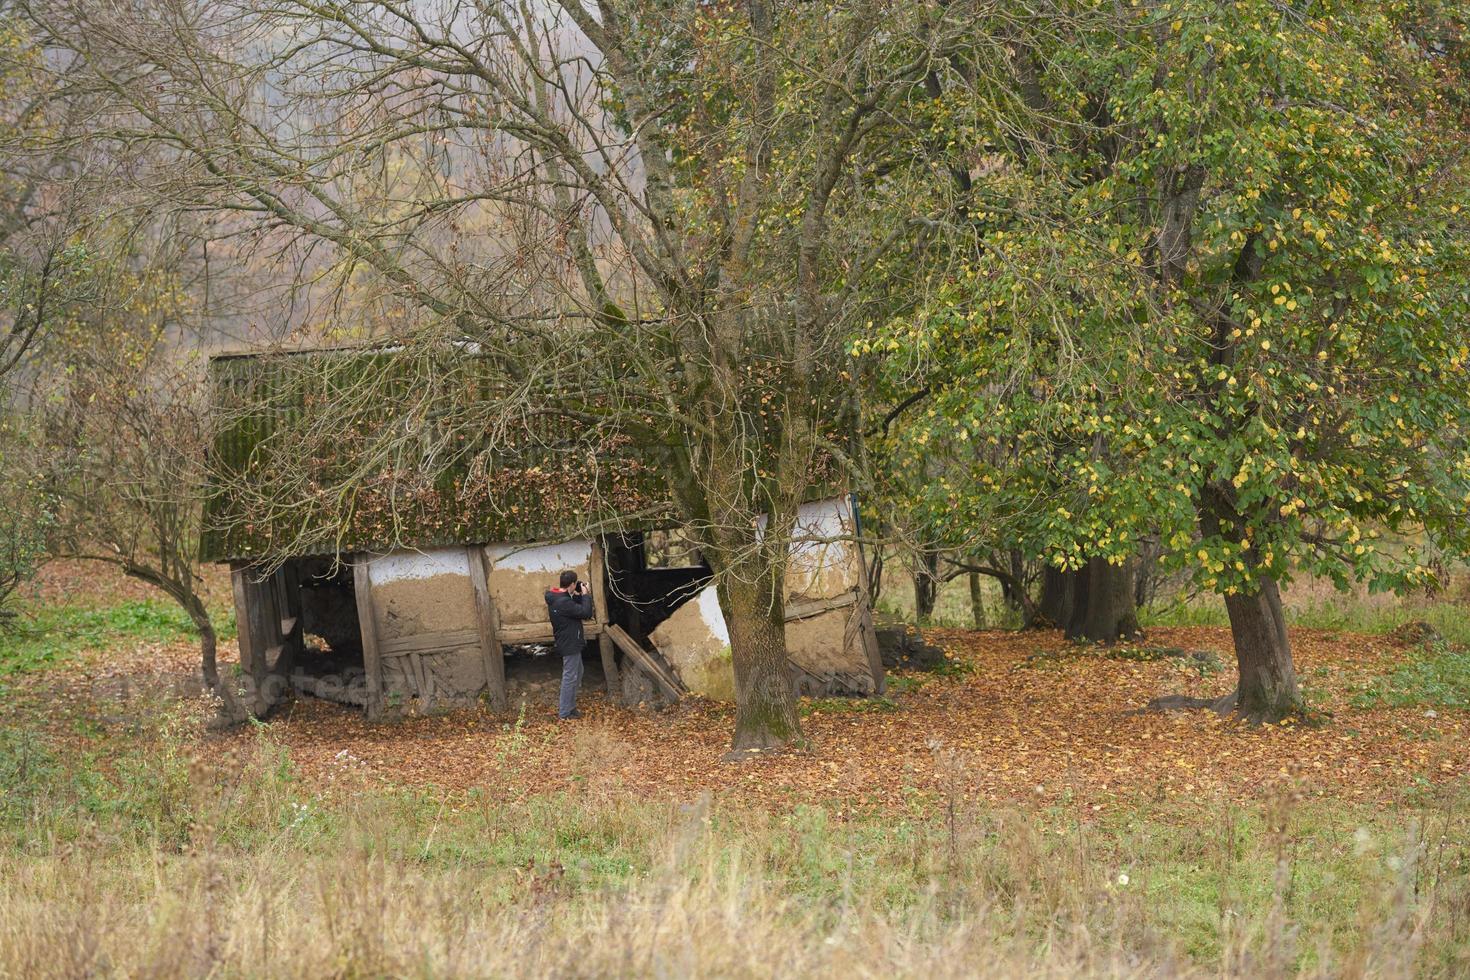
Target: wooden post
column 864, row 612
column 243, row 620
column 488, row 619
column 288, row 580
column 372, row 661
column 265, row 631
column 597, row 570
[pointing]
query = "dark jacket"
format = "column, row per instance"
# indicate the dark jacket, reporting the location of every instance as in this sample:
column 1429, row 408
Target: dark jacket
column 567, row 613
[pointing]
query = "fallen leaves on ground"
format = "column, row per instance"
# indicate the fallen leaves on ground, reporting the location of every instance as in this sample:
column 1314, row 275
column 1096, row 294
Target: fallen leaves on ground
column 999, row 730
column 1021, row 718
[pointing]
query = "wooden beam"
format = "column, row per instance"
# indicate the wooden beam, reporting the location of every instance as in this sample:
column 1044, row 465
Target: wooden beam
column 807, row 608
column 670, row 684
column 402, row 646
column 487, row 617
column 597, row 571
column 372, row 661
column 514, row 633
column 869, row 639
column 243, row 632
column 865, row 612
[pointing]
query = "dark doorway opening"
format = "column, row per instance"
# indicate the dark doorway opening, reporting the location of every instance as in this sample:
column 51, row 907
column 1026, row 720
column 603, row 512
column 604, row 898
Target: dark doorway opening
column 651, row 574
column 331, row 664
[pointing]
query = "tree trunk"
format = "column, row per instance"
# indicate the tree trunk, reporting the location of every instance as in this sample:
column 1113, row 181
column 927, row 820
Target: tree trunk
column 765, row 703
column 1109, row 613
column 1058, row 597
column 1016, row 594
column 926, row 584
column 1076, row 619
column 977, row 602
column 1267, row 690
column 208, row 641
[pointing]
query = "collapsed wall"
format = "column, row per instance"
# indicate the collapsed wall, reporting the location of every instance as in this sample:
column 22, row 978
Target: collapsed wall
column 436, row 621
column 829, row 632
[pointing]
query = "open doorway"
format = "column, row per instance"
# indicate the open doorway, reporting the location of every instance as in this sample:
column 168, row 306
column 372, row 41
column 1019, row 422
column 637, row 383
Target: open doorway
column 650, row 575
column 330, row 665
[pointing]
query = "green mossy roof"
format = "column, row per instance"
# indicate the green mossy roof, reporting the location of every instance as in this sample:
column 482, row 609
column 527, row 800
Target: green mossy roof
column 277, row 411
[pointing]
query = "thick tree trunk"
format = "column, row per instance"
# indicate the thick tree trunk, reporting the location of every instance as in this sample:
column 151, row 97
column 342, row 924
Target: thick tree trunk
column 765, row 703
column 1058, row 597
column 1077, row 611
column 1110, row 613
column 926, row 584
column 977, row 602
column 1267, row 690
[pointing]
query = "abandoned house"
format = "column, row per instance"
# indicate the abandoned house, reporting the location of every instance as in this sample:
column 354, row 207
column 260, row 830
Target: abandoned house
column 425, row 595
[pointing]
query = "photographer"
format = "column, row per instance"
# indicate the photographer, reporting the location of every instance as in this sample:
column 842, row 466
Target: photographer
column 569, row 605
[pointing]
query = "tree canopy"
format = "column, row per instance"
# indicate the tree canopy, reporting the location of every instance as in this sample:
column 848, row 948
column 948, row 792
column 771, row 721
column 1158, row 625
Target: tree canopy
column 1228, row 310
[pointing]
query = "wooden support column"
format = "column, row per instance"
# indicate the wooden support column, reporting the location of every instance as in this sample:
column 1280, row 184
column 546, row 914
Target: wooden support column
column 488, row 619
column 597, row 570
column 239, row 581
column 372, row 661
column 265, row 629
column 864, row 612
column 293, row 640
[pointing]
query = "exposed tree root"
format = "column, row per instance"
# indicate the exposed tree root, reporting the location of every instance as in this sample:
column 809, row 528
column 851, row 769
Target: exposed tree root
column 1226, row 706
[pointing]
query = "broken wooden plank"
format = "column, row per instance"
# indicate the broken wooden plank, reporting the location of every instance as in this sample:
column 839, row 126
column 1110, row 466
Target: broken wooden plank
column 649, row 662
column 807, row 608
column 598, row 572
column 372, row 660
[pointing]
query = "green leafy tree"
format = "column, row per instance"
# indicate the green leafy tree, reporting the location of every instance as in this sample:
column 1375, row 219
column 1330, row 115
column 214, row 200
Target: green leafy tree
column 1232, row 312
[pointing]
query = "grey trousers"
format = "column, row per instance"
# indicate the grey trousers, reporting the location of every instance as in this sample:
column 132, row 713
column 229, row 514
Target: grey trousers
column 571, row 680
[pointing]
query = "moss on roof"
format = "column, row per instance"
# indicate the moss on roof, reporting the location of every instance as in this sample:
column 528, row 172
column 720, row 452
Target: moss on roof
column 294, row 428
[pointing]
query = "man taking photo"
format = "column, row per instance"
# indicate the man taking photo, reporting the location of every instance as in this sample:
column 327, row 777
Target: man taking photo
column 569, row 605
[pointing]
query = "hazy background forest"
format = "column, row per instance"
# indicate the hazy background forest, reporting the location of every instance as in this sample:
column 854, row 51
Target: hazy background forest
column 1139, row 333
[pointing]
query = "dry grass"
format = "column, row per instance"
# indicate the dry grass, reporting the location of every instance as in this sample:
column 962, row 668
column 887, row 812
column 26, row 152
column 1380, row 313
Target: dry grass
column 183, row 864
column 917, row 840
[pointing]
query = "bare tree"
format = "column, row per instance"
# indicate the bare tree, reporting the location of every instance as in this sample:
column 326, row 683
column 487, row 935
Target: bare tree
column 114, row 443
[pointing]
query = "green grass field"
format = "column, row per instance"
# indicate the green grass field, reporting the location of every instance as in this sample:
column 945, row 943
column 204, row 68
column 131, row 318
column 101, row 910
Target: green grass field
column 151, row 850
